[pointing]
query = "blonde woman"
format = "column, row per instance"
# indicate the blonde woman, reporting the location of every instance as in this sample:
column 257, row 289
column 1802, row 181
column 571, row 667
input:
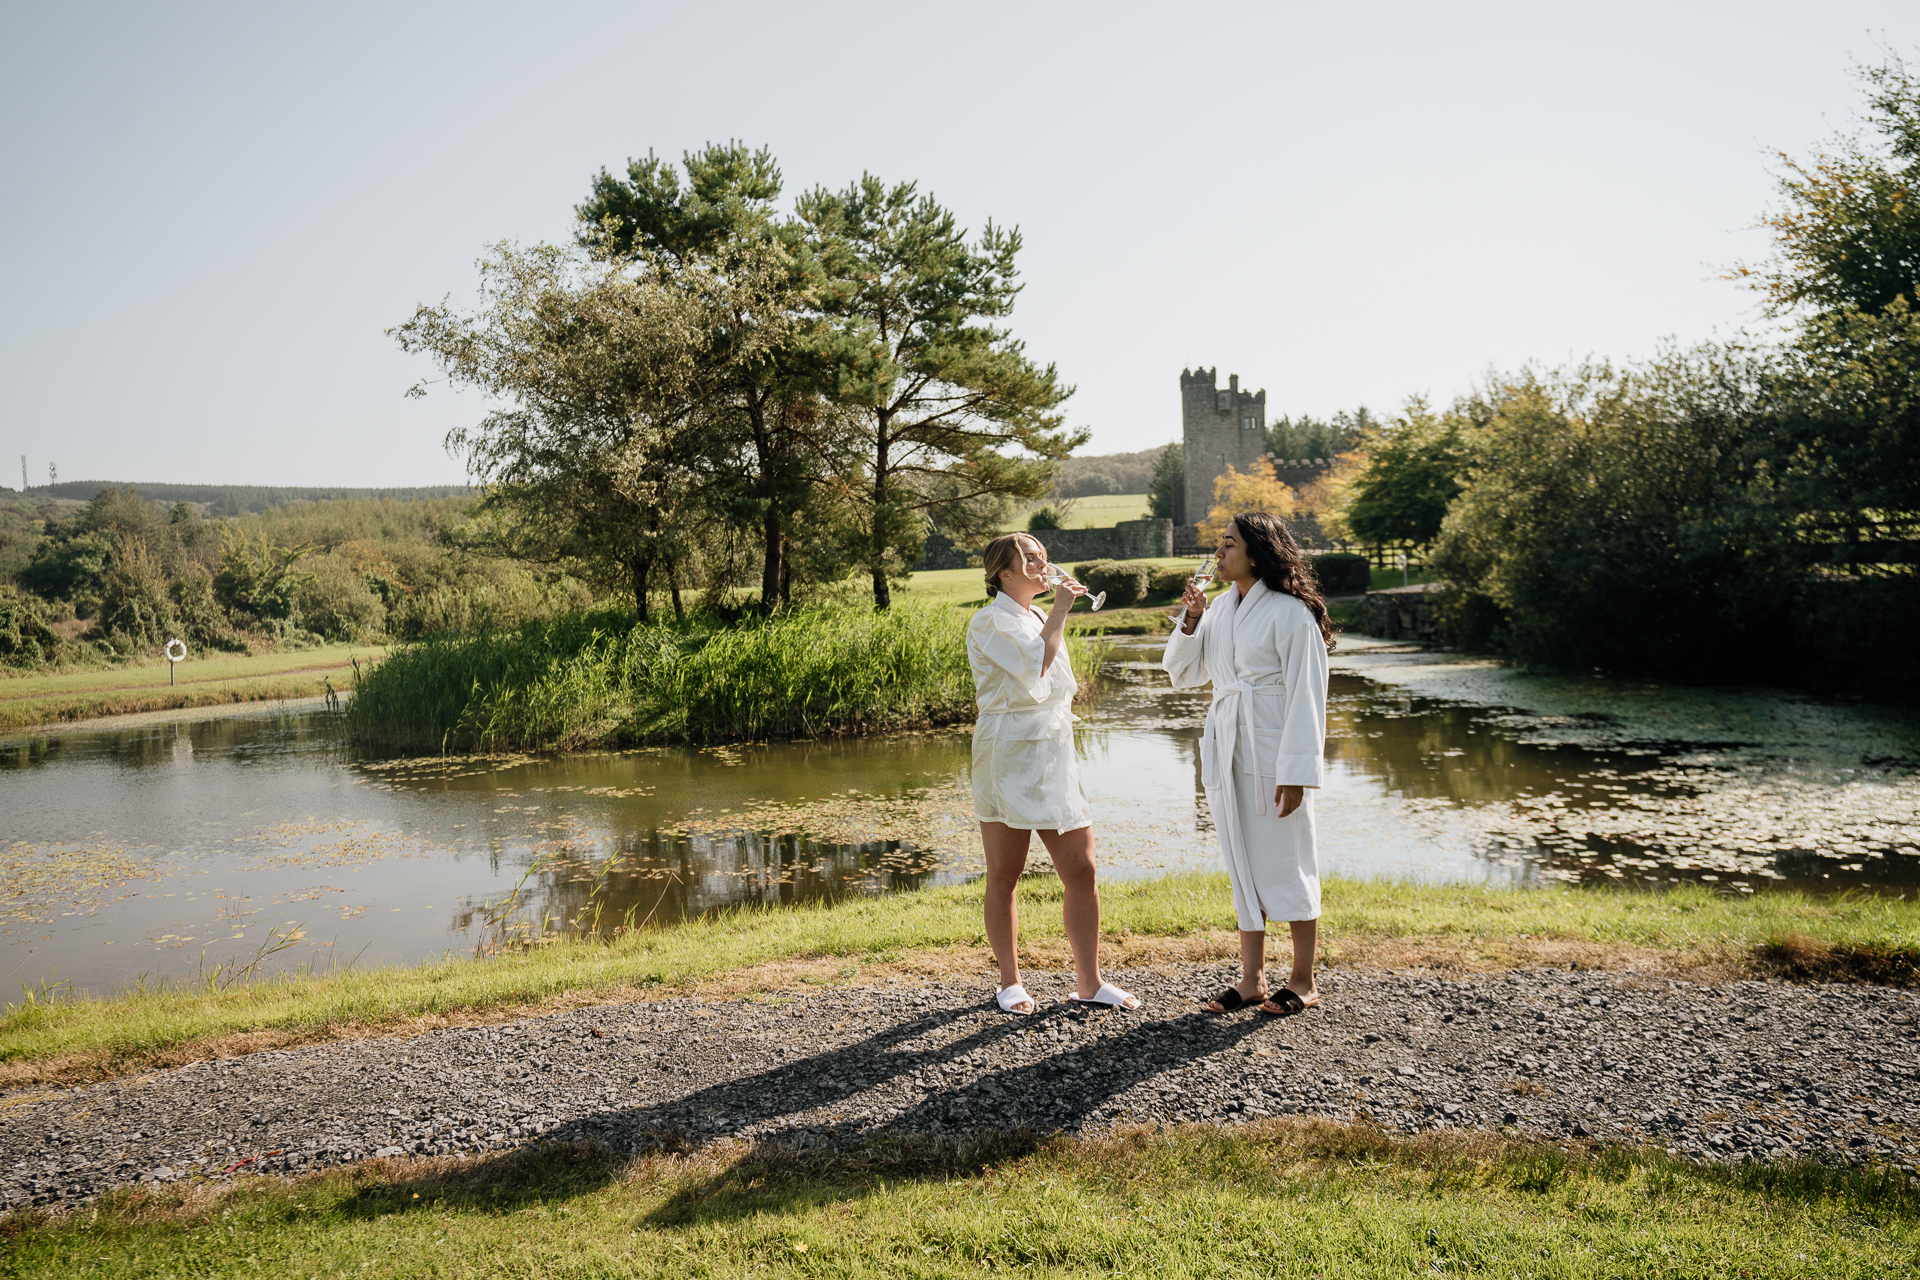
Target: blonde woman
column 1026, row 774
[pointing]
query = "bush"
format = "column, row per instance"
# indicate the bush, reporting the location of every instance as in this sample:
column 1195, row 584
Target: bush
column 336, row 601
column 1086, row 567
column 1043, row 519
column 25, row 638
column 1168, row 584
column 1125, row 582
column 1342, row 573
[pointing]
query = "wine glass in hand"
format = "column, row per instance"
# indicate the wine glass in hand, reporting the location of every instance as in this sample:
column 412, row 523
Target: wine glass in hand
column 1201, row 577
column 1056, row 575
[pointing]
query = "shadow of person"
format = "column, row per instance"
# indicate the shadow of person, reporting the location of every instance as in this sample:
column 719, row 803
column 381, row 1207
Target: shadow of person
column 810, row 1115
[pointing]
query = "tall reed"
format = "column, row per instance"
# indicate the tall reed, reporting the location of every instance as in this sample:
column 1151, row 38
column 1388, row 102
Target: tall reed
column 598, row 678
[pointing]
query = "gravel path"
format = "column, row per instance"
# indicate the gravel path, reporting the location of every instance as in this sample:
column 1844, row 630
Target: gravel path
column 1707, row 1072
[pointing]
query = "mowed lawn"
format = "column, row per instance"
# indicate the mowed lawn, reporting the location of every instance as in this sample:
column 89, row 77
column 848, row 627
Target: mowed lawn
column 26, row 701
column 1267, row 1199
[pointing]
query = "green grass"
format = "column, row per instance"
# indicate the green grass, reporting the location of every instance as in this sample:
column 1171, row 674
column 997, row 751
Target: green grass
column 47, row 699
column 1101, row 512
column 1274, row 1199
column 598, row 678
column 1775, row 932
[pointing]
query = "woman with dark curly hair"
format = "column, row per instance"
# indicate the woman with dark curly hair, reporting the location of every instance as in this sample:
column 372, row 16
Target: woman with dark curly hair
column 1264, row 645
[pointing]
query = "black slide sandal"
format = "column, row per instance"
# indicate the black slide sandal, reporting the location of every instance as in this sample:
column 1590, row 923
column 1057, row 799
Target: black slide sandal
column 1289, row 1003
column 1229, row 1000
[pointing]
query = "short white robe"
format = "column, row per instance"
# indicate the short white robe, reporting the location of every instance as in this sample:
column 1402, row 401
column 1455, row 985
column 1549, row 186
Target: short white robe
column 1026, row 772
column 1267, row 728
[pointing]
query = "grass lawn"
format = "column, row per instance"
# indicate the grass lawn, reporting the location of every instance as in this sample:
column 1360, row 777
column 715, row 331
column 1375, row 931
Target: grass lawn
column 938, row 931
column 48, row 699
column 1269, row 1199
column 1101, row 512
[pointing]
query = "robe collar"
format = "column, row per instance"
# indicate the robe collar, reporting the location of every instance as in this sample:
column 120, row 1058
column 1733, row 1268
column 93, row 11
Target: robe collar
column 1255, row 594
column 1005, row 601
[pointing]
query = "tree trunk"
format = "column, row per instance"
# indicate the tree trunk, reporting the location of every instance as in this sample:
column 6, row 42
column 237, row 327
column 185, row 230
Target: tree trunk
column 673, row 585
column 786, row 580
column 773, row 574
column 774, row 532
column 639, row 569
column 882, row 594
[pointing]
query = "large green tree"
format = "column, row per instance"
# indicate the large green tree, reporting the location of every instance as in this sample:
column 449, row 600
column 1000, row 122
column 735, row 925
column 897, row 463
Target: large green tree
column 1846, row 273
column 952, row 409
column 611, row 370
column 774, row 438
column 1412, row 476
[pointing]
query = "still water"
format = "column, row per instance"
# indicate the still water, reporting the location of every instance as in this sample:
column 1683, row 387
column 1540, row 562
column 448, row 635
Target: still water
column 172, row 849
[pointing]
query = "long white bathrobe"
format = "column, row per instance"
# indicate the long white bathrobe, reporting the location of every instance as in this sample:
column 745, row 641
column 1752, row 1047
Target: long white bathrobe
column 1267, row 728
column 1026, row 772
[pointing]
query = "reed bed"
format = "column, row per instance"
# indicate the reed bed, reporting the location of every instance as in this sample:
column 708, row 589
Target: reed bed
column 599, row 678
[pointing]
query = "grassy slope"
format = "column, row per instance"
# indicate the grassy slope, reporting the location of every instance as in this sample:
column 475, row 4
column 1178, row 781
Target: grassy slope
column 1276, row 1198
column 1365, row 921
column 34, row 700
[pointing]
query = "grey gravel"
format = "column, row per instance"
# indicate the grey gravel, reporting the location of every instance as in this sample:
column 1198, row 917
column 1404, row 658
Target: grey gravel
column 1745, row 1070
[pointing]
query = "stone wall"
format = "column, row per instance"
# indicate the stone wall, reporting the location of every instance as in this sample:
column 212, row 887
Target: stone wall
column 1186, row 537
column 1129, row 540
column 1404, row 613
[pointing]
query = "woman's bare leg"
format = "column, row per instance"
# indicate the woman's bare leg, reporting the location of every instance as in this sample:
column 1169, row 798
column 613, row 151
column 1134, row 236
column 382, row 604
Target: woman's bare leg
column 1072, row 855
column 1006, row 849
column 1306, row 944
column 1253, row 969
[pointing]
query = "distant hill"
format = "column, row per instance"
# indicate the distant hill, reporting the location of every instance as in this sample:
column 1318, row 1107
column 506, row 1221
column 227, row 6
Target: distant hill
column 236, row 499
column 1101, row 473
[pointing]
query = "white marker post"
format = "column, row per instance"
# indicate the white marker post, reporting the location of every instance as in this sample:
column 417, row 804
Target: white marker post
column 176, row 654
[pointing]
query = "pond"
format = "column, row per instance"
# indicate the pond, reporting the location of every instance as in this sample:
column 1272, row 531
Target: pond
column 179, row 847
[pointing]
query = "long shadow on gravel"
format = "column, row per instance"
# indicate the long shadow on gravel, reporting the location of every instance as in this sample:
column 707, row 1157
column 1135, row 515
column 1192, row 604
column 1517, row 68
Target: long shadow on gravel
column 1058, row 1092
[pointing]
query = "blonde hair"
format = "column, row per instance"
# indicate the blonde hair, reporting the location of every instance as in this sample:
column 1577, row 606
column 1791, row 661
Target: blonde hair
column 1002, row 554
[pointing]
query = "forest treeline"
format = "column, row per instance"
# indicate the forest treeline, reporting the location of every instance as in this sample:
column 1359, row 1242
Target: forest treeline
column 1745, row 510
column 117, row 577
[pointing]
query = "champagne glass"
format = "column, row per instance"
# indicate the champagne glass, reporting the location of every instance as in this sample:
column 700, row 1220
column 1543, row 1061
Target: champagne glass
column 1055, row 575
column 1201, row 577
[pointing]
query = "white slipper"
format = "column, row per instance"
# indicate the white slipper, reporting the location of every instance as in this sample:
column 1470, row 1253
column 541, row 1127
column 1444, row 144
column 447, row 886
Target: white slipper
column 1110, row 996
column 1007, row 997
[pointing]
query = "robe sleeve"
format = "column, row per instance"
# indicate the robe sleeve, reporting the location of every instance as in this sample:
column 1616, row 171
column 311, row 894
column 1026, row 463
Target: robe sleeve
column 1303, row 733
column 1018, row 652
column 1185, row 660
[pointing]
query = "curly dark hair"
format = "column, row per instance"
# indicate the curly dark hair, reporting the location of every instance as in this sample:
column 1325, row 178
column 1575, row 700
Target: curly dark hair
column 1279, row 562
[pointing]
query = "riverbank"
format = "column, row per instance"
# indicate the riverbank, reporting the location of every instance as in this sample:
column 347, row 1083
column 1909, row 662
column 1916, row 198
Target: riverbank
column 936, row 933
column 27, row 702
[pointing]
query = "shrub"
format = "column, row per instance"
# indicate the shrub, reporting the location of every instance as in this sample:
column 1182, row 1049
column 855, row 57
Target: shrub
column 1168, row 584
column 1342, row 573
column 1086, row 567
column 1125, row 582
column 1043, row 519
column 337, row 603
column 25, row 638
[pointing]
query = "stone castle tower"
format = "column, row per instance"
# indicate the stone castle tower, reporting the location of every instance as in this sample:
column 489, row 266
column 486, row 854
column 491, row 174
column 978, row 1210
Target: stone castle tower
column 1219, row 429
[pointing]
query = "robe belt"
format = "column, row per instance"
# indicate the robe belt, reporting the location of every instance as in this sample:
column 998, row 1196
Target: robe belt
column 1237, row 720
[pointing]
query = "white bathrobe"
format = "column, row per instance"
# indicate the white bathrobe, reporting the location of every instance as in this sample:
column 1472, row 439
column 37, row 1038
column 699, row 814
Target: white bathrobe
column 1267, row 728
column 1025, row 770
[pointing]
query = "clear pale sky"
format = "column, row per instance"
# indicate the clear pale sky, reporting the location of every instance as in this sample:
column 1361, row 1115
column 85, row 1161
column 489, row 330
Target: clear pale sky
column 212, row 213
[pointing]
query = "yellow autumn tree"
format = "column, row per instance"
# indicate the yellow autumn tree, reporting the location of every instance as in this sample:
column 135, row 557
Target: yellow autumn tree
column 1328, row 498
column 1257, row 489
